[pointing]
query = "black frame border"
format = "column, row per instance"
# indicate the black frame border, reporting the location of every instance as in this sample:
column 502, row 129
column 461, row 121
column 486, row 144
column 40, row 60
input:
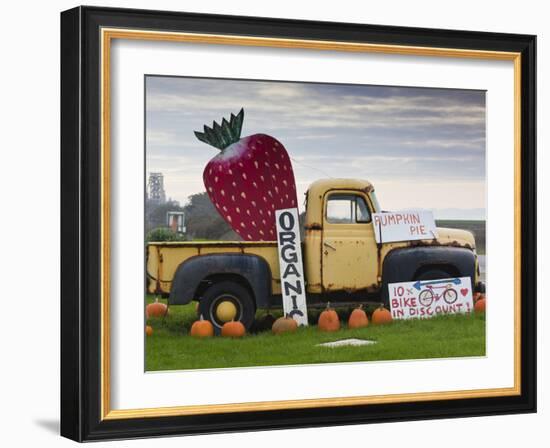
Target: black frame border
column 81, row 223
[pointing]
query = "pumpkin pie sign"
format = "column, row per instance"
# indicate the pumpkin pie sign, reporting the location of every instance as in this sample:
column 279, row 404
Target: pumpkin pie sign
column 406, row 225
column 290, row 264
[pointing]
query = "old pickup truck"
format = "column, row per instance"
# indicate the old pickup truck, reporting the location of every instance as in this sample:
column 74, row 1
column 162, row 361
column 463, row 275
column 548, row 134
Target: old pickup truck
column 343, row 263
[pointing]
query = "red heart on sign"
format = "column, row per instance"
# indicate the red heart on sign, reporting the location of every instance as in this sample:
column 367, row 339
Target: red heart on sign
column 464, row 291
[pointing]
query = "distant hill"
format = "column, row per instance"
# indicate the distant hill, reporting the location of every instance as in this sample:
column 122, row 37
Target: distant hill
column 467, row 214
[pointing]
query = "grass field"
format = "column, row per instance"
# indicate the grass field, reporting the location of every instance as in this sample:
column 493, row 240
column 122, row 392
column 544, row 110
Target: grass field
column 170, row 347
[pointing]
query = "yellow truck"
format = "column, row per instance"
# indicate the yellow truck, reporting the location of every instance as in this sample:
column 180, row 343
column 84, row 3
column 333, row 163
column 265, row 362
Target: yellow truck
column 343, row 263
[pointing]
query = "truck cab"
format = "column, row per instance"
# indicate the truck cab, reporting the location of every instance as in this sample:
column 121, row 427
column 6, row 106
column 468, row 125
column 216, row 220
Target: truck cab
column 339, row 242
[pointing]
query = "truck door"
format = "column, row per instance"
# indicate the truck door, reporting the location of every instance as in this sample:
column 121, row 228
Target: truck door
column 349, row 252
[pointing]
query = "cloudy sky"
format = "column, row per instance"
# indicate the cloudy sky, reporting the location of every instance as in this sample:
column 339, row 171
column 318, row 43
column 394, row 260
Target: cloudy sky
column 421, row 148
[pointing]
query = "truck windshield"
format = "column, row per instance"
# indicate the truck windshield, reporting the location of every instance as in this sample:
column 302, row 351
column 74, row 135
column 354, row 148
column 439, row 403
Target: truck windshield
column 375, row 203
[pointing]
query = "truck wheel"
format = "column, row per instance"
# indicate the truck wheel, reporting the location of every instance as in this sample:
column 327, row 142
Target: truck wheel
column 226, row 301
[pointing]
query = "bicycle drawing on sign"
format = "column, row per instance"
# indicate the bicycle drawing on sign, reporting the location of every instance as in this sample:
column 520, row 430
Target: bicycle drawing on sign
column 435, row 290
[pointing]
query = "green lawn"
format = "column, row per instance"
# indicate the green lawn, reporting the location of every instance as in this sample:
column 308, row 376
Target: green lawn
column 170, row 347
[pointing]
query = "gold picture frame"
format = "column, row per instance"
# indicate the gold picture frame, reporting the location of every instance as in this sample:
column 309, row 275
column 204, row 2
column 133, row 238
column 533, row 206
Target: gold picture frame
column 108, row 26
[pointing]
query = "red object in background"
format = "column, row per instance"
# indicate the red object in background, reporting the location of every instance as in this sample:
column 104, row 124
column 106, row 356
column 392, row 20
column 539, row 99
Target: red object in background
column 174, row 223
column 249, row 179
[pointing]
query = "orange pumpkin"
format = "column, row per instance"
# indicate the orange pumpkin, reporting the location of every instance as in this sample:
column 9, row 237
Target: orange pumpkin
column 479, row 307
column 202, row 329
column 381, row 316
column 284, row 324
column 233, row 329
column 328, row 320
column 358, row 318
column 148, row 330
column 156, row 309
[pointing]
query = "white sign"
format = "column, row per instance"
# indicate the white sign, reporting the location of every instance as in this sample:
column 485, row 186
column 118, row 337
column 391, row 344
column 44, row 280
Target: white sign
column 347, row 343
column 404, row 226
column 290, row 263
column 429, row 298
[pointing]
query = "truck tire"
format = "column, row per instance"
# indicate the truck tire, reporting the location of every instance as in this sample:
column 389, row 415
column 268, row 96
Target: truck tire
column 227, row 295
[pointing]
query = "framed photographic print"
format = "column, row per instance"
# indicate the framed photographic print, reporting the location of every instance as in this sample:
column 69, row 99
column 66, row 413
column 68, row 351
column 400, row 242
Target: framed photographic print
column 274, row 223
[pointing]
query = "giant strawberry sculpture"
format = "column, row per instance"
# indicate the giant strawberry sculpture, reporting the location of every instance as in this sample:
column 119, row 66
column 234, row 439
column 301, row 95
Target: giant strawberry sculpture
column 249, row 179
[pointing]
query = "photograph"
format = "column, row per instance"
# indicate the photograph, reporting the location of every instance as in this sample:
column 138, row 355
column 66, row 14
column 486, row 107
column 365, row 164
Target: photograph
column 295, row 223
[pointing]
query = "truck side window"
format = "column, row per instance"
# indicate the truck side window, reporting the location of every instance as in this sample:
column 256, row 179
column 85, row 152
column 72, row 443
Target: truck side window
column 362, row 211
column 347, row 209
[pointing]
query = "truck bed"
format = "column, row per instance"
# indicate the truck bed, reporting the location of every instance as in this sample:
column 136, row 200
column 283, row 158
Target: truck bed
column 163, row 258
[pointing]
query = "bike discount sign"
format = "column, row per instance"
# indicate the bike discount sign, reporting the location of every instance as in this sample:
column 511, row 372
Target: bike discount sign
column 429, row 298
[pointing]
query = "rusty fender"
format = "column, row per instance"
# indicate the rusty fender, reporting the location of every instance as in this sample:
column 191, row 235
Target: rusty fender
column 403, row 264
column 193, row 272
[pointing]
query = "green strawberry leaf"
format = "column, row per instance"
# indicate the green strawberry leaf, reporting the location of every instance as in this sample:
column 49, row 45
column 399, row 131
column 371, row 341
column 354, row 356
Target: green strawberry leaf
column 225, row 135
